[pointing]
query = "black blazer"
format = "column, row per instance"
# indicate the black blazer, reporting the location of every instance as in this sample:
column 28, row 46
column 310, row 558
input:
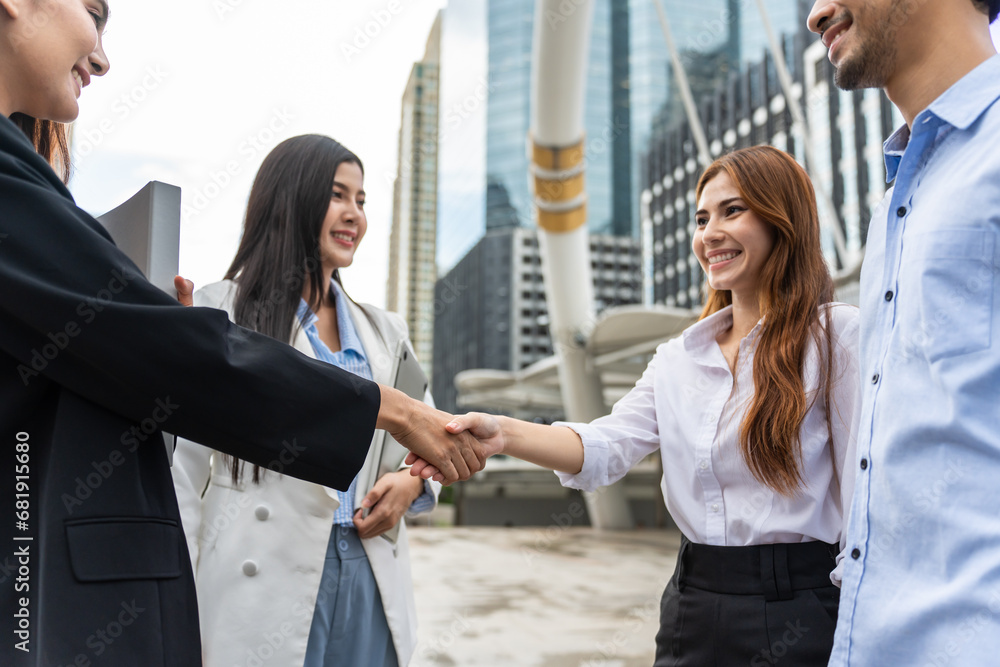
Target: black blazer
column 94, row 361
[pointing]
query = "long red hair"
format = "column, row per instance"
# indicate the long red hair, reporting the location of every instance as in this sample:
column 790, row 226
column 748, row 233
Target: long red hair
column 794, row 282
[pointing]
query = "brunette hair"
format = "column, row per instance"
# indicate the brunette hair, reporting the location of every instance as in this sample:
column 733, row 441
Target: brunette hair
column 794, row 282
column 279, row 249
column 49, row 139
column 989, row 7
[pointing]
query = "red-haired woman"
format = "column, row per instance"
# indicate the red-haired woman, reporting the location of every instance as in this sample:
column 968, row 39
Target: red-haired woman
column 753, row 412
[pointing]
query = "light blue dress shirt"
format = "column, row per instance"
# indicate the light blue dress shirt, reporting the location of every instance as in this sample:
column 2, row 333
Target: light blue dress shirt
column 921, row 582
column 351, row 357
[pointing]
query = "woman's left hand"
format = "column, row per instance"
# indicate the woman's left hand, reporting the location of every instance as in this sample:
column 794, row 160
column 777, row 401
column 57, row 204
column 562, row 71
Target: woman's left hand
column 389, row 499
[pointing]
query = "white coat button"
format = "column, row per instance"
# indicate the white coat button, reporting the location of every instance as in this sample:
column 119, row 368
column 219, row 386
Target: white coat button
column 249, row 568
column 262, row 513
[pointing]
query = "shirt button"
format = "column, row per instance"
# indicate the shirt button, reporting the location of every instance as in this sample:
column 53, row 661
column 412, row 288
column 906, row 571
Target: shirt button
column 703, row 464
column 249, row 568
column 262, row 513
column 856, row 554
column 901, row 211
column 875, row 379
column 864, row 464
column 888, row 295
column 715, row 507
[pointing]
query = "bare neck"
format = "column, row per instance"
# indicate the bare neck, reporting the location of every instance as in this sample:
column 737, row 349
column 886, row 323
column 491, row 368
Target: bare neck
column 307, row 290
column 746, row 315
column 934, row 56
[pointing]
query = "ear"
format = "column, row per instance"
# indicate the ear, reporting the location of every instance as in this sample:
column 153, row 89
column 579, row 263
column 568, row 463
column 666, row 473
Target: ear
column 12, row 8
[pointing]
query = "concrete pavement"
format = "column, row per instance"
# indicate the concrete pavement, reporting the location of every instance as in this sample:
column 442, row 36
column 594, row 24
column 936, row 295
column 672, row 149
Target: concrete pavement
column 549, row 596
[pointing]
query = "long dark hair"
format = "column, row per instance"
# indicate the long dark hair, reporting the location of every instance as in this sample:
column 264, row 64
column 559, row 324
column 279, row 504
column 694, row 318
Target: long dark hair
column 279, row 250
column 49, row 139
column 794, row 283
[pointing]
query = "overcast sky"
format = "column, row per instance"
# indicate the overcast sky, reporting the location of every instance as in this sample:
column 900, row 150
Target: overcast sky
column 200, row 90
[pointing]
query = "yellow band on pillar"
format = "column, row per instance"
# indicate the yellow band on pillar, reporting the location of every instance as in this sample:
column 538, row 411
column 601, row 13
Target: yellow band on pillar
column 548, row 157
column 558, row 190
column 562, row 221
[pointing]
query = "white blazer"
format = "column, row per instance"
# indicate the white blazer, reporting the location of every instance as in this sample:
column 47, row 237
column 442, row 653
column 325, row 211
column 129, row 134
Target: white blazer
column 258, row 550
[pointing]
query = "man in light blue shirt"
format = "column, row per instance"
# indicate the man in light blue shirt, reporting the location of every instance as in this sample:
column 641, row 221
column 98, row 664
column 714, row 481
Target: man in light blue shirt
column 921, row 583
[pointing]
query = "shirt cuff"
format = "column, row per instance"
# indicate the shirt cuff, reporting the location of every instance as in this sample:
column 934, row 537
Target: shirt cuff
column 837, row 576
column 593, row 474
column 425, row 501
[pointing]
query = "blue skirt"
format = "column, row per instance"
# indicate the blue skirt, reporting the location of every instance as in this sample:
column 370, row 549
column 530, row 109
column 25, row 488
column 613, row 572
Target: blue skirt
column 349, row 627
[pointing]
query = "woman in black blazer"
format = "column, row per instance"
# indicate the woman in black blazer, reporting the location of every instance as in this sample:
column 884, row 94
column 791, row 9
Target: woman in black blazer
column 95, row 361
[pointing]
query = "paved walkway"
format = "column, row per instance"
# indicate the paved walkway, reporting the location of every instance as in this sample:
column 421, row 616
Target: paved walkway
column 546, row 597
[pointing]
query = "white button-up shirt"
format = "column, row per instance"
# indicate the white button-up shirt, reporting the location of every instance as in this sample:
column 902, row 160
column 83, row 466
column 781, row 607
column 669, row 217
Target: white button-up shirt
column 687, row 405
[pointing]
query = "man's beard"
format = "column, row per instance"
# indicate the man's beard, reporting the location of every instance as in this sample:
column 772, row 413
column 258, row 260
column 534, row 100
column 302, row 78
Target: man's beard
column 875, row 54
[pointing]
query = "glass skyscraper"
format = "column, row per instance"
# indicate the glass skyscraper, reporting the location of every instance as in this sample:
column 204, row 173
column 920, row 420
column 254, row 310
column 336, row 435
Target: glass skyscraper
column 630, row 91
column 510, row 25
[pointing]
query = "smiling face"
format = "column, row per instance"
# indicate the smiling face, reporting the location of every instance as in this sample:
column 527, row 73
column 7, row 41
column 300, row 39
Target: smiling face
column 731, row 242
column 345, row 223
column 862, row 37
column 53, row 48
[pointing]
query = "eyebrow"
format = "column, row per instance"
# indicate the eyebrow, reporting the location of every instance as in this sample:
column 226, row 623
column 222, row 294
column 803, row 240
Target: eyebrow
column 722, row 204
column 344, row 187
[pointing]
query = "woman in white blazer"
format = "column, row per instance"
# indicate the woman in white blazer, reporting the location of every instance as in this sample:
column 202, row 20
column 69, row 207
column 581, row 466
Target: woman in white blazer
column 289, row 572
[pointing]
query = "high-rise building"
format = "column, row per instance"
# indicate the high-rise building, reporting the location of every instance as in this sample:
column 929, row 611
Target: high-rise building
column 413, row 239
column 510, row 27
column 491, row 311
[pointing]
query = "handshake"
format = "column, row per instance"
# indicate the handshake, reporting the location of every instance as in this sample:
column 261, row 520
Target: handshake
column 444, row 448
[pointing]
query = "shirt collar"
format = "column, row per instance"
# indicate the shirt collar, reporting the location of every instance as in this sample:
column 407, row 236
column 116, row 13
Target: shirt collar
column 959, row 106
column 349, row 339
column 699, row 339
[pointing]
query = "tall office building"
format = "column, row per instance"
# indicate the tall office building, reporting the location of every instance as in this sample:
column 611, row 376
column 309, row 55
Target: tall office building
column 491, row 309
column 413, row 239
column 510, row 27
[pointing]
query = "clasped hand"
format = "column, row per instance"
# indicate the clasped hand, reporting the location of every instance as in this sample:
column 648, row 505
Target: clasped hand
column 484, row 428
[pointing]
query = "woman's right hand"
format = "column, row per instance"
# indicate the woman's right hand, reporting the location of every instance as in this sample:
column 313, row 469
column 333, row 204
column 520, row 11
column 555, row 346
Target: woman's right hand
column 485, row 428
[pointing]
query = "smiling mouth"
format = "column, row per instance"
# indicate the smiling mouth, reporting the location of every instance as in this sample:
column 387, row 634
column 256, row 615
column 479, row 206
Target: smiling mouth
column 78, row 79
column 834, row 36
column 346, row 239
column 725, row 257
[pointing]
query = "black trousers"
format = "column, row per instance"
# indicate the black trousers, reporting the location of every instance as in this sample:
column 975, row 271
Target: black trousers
column 756, row 606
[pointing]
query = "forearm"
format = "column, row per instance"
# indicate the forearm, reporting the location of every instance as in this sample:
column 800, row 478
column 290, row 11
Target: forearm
column 394, row 410
column 554, row 447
